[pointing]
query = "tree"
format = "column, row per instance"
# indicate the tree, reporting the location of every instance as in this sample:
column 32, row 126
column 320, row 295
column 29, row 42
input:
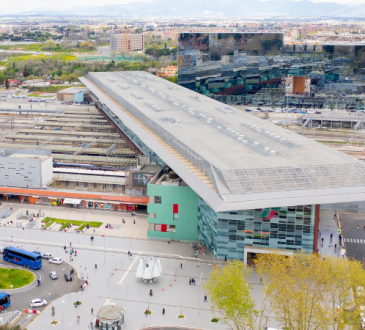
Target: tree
column 230, row 296
column 307, row 292
column 26, row 73
column 6, row 83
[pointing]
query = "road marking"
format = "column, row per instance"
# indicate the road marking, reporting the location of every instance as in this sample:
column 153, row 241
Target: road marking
column 28, row 317
column 351, row 240
column 126, row 273
column 358, row 241
column 106, row 303
column 361, row 241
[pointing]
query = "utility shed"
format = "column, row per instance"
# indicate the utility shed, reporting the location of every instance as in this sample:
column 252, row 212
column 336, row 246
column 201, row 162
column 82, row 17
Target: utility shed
column 25, row 168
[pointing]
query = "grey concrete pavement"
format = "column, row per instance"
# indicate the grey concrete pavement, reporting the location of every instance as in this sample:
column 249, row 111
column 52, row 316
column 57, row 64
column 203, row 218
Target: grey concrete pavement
column 328, row 226
column 114, row 281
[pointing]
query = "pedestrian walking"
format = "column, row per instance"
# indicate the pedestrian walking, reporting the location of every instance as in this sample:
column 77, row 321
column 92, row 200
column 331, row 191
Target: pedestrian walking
column 331, row 238
column 193, row 280
column 163, row 311
column 261, row 280
column 357, row 227
column 78, row 319
column 190, row 282
column 70, row 244
column 92, row 311
column 335, row 247
column 75, row 253
column 225, row 258
column 181, row 265
column 134, row 221
column 319, row 235
column 322, row 241
column 205, row 298
column 146, row 312
column 196, row 254
column 96, row 266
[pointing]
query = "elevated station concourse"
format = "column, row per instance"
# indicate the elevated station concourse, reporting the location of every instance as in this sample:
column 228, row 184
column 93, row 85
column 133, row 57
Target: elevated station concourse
column 231, row 180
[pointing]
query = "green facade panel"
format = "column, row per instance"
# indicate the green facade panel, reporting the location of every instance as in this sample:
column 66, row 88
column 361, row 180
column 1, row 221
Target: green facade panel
column 186, row 224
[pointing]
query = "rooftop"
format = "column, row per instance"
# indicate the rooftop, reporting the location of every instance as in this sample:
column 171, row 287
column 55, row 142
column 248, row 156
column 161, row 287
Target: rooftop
column 251, row 162
column 41, row 157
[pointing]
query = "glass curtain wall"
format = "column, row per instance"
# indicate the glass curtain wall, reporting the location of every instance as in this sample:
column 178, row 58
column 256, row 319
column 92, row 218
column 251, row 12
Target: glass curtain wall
column 227, row 233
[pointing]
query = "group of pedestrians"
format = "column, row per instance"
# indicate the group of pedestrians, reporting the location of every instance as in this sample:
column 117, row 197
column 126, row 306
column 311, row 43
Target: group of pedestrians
column 192, row 281
column 331, row 237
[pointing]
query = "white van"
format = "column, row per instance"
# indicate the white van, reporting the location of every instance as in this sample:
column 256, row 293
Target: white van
column 46, row 255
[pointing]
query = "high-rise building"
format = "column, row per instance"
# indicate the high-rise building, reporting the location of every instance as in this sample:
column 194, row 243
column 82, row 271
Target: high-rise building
column 120, row 43
column 254, row 68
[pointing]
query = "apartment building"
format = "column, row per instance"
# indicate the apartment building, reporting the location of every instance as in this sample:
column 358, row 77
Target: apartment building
column 126, row 42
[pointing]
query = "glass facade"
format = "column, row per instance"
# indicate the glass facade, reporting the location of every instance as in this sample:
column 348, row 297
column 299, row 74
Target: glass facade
column 254, row 69
column 227, row 233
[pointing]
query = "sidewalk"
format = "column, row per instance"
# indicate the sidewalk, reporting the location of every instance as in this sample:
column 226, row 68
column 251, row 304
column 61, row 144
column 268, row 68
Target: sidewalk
column 327, row 226
column 127, row 229
column 114, row 281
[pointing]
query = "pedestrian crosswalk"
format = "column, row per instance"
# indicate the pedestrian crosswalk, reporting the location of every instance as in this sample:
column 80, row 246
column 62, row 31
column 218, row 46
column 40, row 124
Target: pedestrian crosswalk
column 354, row 240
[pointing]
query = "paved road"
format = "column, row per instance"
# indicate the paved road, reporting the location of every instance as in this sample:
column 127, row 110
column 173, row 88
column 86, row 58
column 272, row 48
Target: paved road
column 114, row 281
column 354, row 238
column 20, row 298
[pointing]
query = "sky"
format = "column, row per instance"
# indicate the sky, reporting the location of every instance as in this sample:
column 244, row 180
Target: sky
column 9, row 6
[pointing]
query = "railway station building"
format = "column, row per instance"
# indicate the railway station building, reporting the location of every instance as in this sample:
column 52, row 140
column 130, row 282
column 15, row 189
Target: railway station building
column 234, row 181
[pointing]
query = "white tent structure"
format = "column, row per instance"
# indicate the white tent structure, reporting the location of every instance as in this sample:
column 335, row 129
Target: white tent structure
column 150, row 270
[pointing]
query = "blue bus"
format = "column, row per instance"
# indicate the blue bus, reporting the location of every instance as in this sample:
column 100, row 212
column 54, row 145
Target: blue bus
column 4, row 300
column 22, row 257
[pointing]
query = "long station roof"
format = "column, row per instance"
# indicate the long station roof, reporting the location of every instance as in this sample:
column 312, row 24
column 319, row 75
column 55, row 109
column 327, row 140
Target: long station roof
column 252, row 163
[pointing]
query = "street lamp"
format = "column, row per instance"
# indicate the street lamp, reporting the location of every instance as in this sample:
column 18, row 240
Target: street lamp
column 62, row 312
column 200, row 281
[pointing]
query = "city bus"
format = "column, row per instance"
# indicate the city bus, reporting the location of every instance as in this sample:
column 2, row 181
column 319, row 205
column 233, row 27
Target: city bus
column 4, row 300
column 22, row 257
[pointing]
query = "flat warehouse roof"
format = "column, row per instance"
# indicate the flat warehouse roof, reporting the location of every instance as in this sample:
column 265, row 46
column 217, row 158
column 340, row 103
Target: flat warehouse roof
column 251, row 162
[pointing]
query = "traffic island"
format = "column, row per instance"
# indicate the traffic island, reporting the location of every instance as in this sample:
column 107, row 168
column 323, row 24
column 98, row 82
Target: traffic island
column 54, row 322
column 181, row 316
column 214, row 320
column 11, row 278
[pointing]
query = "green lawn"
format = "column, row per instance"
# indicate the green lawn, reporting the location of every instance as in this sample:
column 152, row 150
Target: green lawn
column 82, row 224
column 16, row 277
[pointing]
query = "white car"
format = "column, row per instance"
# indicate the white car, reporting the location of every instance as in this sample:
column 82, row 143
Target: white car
column 38, row 303
column 53, row 275
column 57, row 261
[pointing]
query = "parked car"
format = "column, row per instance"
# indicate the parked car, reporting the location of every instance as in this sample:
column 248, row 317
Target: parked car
column 68, row 277
column 46, row 255
column 57, row 261
column 38, row 302
column 53, row 275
